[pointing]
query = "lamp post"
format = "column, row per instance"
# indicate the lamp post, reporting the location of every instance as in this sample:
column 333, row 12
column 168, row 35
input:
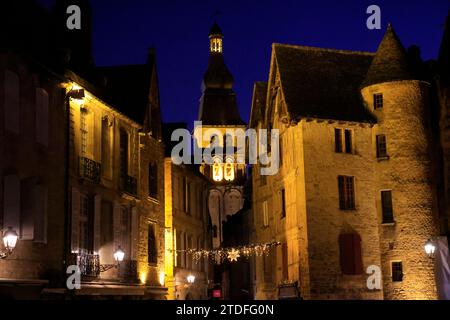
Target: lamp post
column 430, row 248
column 119, row 255
column 9, row 241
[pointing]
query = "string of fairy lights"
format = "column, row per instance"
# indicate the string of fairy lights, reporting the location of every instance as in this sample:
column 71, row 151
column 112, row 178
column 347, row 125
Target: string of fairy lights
column 231, row 254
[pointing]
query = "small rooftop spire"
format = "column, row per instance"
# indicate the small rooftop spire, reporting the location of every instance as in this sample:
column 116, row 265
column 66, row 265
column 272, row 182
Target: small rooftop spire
column 390, row 62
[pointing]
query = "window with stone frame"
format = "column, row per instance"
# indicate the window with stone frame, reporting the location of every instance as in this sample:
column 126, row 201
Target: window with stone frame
column 397, row 271
column 378, row 101
column 386, row 206
column 343, row 141
column 346, row 185
column 381, row 146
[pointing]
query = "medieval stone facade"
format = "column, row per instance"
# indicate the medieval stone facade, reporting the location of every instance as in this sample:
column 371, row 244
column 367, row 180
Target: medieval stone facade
column 355, row 188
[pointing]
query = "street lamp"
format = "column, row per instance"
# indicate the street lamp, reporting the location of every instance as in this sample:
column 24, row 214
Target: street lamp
column 190, row 279
column 9, row 241
column 430, row 247
column 119, row 254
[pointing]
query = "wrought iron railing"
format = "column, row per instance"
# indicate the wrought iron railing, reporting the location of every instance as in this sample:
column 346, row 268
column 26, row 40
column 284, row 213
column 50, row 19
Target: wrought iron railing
column 89, row 264
column 129, row 185
column 90, row 169
column 90, row 267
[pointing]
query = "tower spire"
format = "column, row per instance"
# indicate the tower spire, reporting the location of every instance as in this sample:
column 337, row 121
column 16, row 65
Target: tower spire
column 390, row 61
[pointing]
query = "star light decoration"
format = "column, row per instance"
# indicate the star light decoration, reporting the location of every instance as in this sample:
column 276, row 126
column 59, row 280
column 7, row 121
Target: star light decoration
column 233, row 255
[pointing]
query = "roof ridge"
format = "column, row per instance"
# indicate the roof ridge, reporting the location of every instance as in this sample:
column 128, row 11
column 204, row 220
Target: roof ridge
column 311, row 48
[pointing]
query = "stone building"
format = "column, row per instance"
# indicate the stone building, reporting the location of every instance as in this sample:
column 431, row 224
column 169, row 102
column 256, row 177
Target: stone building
column 355, row 188
column 188, row 226
column 81, row 162
column 32, row 156
column 116, row 180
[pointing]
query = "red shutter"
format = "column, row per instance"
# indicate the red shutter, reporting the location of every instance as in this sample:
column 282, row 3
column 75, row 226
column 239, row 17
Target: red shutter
column 346, row 253
column 350, row 253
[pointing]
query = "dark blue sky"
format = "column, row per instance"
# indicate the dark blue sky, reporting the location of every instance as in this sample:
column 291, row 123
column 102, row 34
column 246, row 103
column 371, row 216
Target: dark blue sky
column 178, row 29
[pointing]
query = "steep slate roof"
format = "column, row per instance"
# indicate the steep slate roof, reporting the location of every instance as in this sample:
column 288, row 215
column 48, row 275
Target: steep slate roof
column 258, row 103
column 323, row 83
column 390, row 62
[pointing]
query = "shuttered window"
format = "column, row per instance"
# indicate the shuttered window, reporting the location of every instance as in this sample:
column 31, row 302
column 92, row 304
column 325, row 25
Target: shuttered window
column 27, row 208
column 11, row 202
column 350, row 253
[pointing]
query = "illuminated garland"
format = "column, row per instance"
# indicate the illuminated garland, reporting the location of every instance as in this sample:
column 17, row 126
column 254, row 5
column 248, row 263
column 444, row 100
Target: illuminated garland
column 231, row 253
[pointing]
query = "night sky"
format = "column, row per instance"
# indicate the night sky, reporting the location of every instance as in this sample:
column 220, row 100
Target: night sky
column 178, row 29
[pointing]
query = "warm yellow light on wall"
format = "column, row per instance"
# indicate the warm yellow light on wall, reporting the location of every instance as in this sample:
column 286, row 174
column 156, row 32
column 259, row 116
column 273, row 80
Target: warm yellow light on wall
column 75, row 87
column 162, row 278
column 143, row 277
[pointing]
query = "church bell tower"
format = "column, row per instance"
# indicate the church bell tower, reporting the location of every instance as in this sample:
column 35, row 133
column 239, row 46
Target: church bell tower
column 218, row 133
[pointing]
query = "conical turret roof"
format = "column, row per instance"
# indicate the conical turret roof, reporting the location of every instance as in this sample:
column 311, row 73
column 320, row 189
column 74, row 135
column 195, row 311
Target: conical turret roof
column 390, row 61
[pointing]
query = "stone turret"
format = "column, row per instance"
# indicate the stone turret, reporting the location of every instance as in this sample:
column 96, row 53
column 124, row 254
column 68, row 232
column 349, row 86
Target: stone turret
column 403, row 169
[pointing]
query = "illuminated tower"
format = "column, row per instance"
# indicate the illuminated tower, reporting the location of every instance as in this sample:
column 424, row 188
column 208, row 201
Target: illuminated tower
column 220, row 120
column 401, row 137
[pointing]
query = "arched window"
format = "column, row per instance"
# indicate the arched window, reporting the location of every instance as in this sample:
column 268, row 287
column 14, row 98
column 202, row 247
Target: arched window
column 217, row 170
column 229, row 170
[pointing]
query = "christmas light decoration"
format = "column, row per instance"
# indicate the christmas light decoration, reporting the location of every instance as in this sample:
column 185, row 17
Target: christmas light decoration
column 231, row 254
